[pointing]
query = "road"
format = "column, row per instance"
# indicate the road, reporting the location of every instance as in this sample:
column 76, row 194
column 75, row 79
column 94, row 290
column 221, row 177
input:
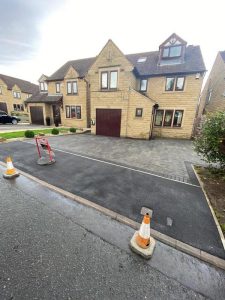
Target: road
column 54, row 248
column 125, row 190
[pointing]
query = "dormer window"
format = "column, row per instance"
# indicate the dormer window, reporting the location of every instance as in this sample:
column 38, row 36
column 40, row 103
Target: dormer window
column 16, row 95
column 43, row 86
column 173, row 51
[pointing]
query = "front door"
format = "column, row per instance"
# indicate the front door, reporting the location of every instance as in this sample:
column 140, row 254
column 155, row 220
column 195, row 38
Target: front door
column 56, row 113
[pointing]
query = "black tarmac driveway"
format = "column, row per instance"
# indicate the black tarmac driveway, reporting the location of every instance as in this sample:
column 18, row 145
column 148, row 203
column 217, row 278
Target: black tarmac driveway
column 125, row 191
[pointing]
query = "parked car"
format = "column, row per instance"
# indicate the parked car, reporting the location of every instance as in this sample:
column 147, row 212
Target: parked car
column 5, row 118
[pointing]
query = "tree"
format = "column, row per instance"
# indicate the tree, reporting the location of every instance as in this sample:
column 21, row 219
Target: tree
column 210, row 143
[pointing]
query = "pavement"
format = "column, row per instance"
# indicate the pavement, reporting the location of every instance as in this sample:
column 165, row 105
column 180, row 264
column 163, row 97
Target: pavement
column 20, row 127
column 125, row 190
column 54, row 248
column 166, row 157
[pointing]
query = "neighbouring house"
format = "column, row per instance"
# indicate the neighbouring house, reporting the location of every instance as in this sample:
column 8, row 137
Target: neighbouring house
column 13, row 93
column 213, row 94
column 137, row 95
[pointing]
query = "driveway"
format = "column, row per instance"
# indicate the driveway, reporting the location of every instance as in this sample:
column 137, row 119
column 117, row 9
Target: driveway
column 167, row 157
column 125, row 190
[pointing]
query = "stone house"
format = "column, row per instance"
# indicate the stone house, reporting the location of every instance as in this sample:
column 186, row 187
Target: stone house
column 137, row 95
column 13, row 93
column 213, row 94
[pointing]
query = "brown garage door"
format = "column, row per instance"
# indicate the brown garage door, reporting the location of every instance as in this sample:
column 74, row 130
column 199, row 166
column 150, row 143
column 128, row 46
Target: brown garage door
column 108, row 122
column 3, row 107
column 37, row 116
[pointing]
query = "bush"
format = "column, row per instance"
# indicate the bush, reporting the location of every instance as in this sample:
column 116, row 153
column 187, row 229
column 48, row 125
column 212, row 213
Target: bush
column 73, row 130
column 55, row 131
column 209, row 143
column 29, row 134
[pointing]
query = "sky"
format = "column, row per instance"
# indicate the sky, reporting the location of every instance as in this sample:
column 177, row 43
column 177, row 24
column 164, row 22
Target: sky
column 39, row 36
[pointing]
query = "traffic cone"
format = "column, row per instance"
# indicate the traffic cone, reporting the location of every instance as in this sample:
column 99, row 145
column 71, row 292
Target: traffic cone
column 142, row 243
column 10, row 171
column 143, row 237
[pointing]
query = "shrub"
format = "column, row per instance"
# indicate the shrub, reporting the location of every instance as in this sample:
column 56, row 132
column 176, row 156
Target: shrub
column 55, row 131
column 73, row 130
column 209, row 143
column 29, row 134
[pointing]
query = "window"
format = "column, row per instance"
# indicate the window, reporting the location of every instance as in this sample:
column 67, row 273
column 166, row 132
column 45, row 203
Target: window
column 168, row 118
column 175, row 83
column 177, row 120
column 209, row 95
column 73, row 112
column 57, row 87
column 143, row 85
column 104, row 80
column 0, row 90
column 109, row 80
column 159, row 117
column 18, row 107
column 43, row 86
column 141, row 59
column 113, row 80
column 72, row 87
column 174, row 51
column 139, row 112
column 16, row 95
column 170, row 83
column 179, row 84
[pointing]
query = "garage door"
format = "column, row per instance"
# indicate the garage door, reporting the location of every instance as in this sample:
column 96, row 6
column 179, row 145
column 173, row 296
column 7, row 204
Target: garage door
column 108, row 122
column 36, row 114
column 3, row 107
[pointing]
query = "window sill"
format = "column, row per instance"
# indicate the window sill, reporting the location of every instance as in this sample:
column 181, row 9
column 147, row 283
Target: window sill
column 164, row 127
column 171, row 92
column 71, row 94
column 74, row 119
column 109, row 90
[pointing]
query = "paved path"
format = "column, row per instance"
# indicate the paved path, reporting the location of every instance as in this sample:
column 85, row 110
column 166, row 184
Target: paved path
column 161, row 156
column 125, row 191
column 54, row 248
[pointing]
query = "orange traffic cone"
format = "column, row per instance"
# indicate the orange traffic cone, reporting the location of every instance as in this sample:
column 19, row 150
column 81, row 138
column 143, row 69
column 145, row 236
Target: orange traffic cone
column 143, row 237
column 10, row 171
column 142, row 243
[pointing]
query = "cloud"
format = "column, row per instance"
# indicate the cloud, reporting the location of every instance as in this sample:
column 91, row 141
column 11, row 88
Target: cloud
column 19, row 27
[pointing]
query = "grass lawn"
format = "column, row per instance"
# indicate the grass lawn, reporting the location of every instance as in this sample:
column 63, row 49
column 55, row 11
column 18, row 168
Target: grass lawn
column 214, row 185
column 18, row 134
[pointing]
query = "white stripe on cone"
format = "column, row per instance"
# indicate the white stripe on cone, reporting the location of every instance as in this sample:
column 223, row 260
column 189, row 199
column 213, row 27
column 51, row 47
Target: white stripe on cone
column 144, row 231
column 10, row 165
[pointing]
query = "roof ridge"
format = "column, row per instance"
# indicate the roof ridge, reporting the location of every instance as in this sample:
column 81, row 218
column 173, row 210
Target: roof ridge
column 11, row 77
